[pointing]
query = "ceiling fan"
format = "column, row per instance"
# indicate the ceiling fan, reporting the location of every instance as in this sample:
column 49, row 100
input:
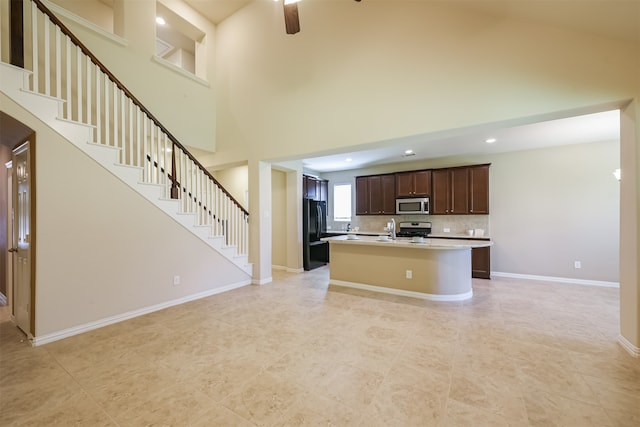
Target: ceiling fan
column 291, row 19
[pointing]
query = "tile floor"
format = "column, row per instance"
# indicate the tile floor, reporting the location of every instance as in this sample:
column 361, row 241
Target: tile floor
column 295, row 353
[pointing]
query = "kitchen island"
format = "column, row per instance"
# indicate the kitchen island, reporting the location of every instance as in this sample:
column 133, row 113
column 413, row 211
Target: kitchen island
column 435, row 269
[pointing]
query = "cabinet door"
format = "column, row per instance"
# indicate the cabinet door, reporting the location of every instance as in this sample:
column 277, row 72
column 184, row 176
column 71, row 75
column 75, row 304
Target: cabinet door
column 312, row 190
column 388, row 187
column 324, row 191
column 305, row 190
column 440, row 192
column 422, row 183
column 481, row 263
column 404, row 184
column 459, row 191
column 375, row 195
column 362, row 195
column 479, row 190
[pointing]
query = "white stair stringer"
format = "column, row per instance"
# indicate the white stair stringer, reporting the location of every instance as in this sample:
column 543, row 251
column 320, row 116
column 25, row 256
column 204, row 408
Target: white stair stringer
column 13, row 80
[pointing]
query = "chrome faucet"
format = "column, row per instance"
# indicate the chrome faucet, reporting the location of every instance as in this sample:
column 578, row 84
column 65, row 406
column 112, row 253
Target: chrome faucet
column 392, row 229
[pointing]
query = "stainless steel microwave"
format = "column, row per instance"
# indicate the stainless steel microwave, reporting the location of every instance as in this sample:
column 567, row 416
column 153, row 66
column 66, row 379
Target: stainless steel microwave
column 413, row 206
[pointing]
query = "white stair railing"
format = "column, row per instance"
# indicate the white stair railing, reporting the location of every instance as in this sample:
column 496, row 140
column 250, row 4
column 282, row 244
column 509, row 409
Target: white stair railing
column 64, row 68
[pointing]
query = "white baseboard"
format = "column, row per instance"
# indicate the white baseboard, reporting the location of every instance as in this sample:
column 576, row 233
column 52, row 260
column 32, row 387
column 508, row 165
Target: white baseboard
column 3, row 299
column 627, row 345
column 262, row 281
column 287, row 269
column 557, row 279
column 401, row 292
column 65, row 333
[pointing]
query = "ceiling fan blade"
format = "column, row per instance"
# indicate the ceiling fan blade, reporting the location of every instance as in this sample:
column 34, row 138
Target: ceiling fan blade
column 291, row 20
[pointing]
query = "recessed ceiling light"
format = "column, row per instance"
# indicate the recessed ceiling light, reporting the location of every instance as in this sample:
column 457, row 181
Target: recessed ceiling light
column 408, row 152
column 490, row 140
column 348, row 159
column 160, row 20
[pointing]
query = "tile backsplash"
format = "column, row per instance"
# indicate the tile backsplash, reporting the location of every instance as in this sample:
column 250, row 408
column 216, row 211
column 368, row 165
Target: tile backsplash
column 457, row 224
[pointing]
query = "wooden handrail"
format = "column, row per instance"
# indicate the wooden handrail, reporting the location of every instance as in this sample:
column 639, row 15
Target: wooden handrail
column 123, row 88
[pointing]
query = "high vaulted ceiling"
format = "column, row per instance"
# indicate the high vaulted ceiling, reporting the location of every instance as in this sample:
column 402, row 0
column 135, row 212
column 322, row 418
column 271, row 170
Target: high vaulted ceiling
column 217, row 10
column 618, row 19
column 610, row 18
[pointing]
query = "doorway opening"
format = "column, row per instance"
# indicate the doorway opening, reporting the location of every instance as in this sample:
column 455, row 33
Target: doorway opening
column 17, row 156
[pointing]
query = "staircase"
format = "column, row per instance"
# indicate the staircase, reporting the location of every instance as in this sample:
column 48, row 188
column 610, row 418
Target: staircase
column 74, row 94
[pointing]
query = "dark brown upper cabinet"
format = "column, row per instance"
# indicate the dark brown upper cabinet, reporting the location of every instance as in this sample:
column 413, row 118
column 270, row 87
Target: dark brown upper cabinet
column 413, row 184
column 362, row 195
column 315, row 188
column 375, row 195
column 460, row 191
column 479, row 189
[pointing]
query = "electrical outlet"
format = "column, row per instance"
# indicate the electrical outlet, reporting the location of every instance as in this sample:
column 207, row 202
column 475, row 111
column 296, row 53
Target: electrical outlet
column 577, row 264
column 176, row 280
column 446, row 230
column 409, row 274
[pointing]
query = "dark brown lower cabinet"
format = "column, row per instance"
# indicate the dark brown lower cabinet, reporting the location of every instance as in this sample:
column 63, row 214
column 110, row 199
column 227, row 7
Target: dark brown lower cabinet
column 481, row 263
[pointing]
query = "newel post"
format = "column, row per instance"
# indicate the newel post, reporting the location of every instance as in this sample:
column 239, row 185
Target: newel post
column 16, row 33
column 175, row 189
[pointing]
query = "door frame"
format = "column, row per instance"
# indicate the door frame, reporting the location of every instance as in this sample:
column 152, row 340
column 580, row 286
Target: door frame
column 9, row 237
column 31, row 140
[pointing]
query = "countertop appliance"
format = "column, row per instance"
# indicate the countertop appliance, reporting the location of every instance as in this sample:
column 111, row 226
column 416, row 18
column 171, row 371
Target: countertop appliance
column 315, row 253
column 414, row 229
column 412, row 206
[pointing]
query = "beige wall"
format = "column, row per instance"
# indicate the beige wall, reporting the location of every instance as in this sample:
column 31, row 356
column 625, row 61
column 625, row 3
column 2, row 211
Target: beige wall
column 185, row 106
column 100, row 256
column 630, row 224
column 548, row 208
column 279, row 222
column 93, row 11
column 236, row 182
column 396, row 71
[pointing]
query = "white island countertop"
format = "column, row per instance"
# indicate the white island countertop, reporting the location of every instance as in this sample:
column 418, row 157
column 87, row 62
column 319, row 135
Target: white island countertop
column 406, row 242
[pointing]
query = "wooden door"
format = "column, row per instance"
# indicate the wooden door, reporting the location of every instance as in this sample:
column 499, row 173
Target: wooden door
column 21, row 248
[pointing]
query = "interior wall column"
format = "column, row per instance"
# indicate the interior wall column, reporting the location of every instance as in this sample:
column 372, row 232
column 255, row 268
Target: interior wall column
column 260, row 220
column 294, row 220
column 630, row 223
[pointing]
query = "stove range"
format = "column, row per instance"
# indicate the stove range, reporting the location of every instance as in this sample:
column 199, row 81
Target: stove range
column 413, row 229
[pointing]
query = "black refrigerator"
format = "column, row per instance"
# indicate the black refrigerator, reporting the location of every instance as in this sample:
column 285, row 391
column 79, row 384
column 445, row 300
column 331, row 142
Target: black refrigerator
column 315, row 253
